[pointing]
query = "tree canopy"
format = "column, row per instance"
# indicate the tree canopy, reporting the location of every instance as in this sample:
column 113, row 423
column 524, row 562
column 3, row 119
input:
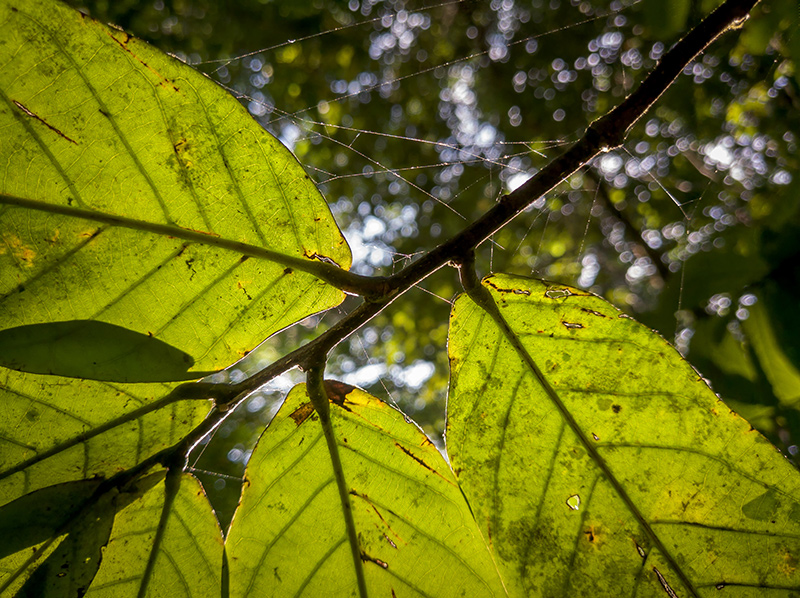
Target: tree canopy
column 155, row 233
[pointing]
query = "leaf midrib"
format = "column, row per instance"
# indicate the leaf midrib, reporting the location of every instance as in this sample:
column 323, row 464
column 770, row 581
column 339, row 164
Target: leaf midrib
column 485, row 301
column 164, row 230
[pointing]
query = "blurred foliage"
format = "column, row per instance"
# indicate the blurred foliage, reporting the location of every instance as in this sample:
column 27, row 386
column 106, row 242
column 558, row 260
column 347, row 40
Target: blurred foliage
column 415, row 118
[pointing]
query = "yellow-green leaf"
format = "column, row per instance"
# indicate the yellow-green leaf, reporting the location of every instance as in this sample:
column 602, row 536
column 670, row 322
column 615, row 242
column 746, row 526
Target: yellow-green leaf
column 600, row 463
column 416, row 534
column 58, row 430
column 166, row 543
column 138, row 193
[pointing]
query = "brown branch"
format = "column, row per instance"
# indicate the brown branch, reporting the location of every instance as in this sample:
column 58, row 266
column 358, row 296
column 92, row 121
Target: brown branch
column 605, row 133
column 602, row 135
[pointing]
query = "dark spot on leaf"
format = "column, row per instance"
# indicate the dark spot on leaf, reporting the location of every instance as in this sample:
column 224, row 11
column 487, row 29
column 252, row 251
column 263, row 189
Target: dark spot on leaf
column 288, row 271
column 616, row 408
column 368, row 559
column 302, row 413
column 593, row 312
column 103, row 112
column 337, row 391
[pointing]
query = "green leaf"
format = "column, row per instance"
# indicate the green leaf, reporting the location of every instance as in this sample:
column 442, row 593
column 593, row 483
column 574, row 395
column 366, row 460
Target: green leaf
column 35, row 517
column 94, row 350
column 416, row 534
column 778, row 368
column 169, row 537
column 666, row 19
column 138, row 193
column 600, row 463
column 56, row 543
column 58, row 430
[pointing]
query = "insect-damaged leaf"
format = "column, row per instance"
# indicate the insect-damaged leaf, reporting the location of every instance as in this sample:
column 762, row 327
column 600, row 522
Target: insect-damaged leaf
column 138, row 193
column 600, row 463
column 416, row 535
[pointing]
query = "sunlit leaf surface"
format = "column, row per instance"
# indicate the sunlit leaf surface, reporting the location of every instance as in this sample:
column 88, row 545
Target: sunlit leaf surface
column 136, row 192
column 172, row 532
column 416, row 535
column 599, row 462
column 57, row 430
column 57, row 535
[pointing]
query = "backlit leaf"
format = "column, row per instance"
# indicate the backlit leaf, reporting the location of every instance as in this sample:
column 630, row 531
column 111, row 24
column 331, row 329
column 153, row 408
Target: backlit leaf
column 58, row 430
column 138, row 193
column 167, row 543
column 416, row 535
column 600, row 463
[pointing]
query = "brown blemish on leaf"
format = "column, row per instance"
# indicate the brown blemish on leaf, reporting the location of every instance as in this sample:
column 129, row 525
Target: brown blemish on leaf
column 19, row 250
column 594, row 536
column 489, row 282
column 44, row 122
column 322, row 258
column 288, row 271
column 616, row 408
column 241, row 285
column 302, row 413
column 789, row 565
column 421, row 462
column 593, row 312
column 338, row 391
column 368, row 559
column 164, row 82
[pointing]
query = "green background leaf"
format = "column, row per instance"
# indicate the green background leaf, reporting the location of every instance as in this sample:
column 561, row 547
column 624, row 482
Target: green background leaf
column 601, row 464
column 138, row 193
column 415, row 531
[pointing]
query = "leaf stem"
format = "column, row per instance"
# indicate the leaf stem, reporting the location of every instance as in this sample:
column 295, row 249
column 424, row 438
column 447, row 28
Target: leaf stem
column 483, row 298
column 347, row 281
column 319, row 398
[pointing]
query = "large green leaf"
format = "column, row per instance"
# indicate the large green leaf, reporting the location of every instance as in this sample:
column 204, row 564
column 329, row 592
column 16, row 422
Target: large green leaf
column 55, row 537
column 599, row 462
column 416, row 535
column 136, row 192
column 56, row 430
column 168, row 543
